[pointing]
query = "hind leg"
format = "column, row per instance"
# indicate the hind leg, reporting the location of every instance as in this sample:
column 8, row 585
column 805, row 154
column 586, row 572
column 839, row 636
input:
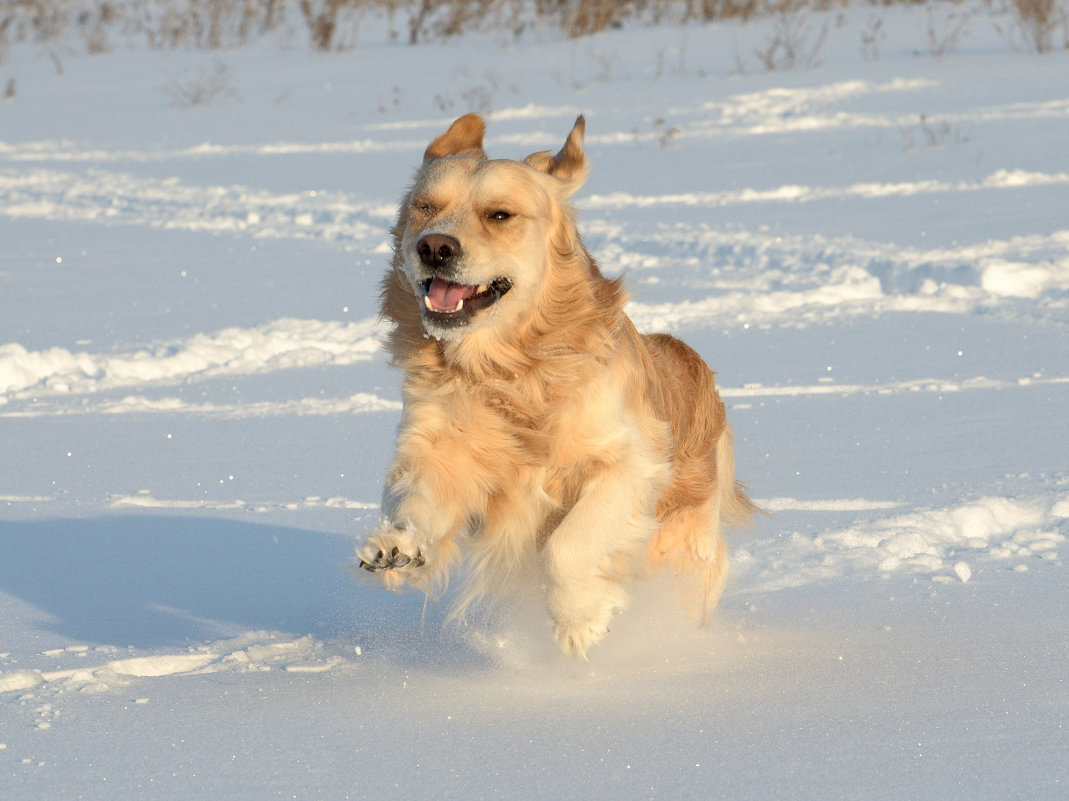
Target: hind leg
column 702, row 497
column 690, row 544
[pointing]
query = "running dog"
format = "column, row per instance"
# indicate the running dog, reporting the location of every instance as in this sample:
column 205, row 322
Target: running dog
column 541, row 431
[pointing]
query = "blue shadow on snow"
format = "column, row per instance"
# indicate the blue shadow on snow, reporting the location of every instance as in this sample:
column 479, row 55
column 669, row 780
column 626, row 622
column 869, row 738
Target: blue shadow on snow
column 150, row 581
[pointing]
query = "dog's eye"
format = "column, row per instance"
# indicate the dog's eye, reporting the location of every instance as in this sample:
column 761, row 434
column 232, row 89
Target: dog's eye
column 424, row 208
column 499, row 215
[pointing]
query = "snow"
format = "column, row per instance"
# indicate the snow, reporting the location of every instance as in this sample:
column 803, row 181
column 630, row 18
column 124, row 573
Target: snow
column 280, row 344
column 196, row 417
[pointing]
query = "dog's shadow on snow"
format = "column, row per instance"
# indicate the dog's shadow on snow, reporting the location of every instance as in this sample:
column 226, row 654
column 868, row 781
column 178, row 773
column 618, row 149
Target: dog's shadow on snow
column 156, row 581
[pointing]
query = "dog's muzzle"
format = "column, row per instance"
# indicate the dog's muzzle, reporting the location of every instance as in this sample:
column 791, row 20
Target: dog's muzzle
column 447, row 302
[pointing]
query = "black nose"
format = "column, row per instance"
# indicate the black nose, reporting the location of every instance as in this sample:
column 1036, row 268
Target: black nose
column 439, row 252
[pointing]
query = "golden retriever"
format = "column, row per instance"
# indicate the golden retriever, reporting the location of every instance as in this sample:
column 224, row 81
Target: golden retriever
column 540, row 431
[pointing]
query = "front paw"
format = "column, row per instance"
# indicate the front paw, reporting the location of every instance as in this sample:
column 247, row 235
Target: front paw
column 395, row 558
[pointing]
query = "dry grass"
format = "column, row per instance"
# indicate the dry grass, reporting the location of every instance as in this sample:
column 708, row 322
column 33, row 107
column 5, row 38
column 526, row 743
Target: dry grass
column 199, row 89
column 334, row 24
column 794, row 43
column 199, row 24
column 1040, row 21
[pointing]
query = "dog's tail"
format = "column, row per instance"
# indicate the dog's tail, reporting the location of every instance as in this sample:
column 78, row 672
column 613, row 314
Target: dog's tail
column 736, row 508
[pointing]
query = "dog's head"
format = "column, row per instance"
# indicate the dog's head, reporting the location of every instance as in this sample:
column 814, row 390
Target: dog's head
column 477, row 237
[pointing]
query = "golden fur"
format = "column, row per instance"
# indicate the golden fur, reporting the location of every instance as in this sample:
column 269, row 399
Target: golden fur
column 540, row 430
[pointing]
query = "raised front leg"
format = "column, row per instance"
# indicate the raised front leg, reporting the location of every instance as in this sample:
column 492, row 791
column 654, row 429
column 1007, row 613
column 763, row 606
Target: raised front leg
column 414, row 543
column 437, row 485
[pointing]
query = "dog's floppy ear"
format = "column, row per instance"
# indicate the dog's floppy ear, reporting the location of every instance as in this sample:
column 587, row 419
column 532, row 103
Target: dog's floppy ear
column 464, row 135
column 569, row 165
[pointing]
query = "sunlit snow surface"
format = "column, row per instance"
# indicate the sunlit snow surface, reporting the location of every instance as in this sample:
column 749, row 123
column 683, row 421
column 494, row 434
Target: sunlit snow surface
column 195, row 417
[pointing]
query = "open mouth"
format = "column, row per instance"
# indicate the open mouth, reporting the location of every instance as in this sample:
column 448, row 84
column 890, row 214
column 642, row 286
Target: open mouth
column 454, row 304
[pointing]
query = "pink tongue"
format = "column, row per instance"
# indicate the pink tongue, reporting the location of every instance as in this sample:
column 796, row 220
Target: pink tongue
column 445, row 295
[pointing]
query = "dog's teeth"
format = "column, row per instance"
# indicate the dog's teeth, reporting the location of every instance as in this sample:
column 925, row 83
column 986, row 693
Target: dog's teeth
column 431, row 307
column 481, row 288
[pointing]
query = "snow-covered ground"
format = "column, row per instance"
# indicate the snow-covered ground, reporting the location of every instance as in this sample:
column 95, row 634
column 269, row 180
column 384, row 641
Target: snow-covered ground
column 872, row 252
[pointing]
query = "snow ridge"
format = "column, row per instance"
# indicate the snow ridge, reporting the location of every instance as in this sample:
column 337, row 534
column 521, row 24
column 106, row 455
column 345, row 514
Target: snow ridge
column 123, row 198
column 986, row 534
column 283, row 344
column 795, row 193
column 73, row 668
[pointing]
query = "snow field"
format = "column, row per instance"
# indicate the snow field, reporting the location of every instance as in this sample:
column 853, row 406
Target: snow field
column 195, row 418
